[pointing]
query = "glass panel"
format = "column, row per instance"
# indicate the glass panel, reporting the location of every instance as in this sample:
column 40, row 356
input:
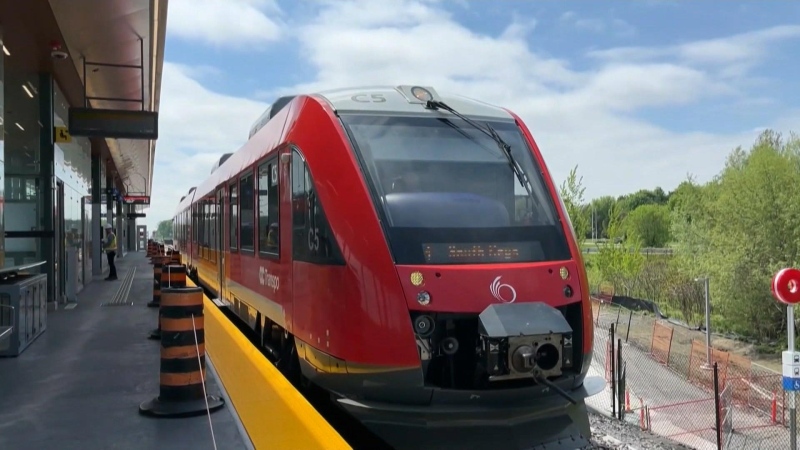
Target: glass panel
column 2, row 154
column 24, row 208
column 234, row 217
column 247, row 212
column 449, row 195
column 73, row 166
column 263, row 207
column 268, row 232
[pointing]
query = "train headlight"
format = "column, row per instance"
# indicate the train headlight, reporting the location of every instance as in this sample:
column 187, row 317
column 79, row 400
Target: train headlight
column 421, row 94
column 423, row 298
column 564, row 273
column 417, row 279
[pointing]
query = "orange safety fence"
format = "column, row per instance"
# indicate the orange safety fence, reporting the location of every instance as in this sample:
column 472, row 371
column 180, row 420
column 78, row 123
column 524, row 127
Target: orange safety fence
column 661, row 343
column 700, row 372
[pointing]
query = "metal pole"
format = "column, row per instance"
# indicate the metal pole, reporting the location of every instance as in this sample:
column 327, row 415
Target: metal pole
column 628, row 332
column 708, row 323
column 792, row 396
column 717, row 418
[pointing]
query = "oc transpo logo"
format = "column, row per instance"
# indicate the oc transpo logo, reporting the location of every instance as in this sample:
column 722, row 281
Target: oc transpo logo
column 504, row 293
column 267, row 279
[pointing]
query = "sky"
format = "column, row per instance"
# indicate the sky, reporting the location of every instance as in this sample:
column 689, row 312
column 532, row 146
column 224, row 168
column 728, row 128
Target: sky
column 636, row 94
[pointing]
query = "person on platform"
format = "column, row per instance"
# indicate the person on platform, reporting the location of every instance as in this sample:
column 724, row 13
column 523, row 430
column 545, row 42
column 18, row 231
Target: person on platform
column 110, row 247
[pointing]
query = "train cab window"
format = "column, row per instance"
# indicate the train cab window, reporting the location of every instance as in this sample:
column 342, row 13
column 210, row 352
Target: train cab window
column 268, row 220
column 312, row 239
column 448, row 195
column 233, row 202
column 246, row 207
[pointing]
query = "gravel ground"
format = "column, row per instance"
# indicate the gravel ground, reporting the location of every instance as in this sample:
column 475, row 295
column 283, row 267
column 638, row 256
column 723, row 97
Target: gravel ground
column 608, row 433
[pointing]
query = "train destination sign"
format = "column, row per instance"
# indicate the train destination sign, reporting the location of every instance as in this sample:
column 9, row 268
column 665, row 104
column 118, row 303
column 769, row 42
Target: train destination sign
column 113, row 123
column 136, row 199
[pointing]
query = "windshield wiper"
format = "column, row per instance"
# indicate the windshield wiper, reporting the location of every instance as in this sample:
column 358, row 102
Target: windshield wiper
column 492, row 133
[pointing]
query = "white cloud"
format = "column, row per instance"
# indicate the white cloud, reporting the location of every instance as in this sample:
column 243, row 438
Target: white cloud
column 197, row 127
column 225, row 23
column 616, row 26
column 577, row 117
column 733, row 55
column 585, row 117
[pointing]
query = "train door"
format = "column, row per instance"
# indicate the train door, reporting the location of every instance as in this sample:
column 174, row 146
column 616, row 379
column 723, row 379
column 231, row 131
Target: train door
column 221, row 248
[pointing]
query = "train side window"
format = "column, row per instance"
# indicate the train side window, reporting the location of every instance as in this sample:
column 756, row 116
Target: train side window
column 196, row 220
column 268, row 220
column 246, row 208
column 312, row 238
column 205, row 228
column 234, row 216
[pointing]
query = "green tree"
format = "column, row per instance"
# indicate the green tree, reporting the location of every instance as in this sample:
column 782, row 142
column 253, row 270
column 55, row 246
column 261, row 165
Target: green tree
column 619, row 260
column 571, row 192
column 739, row 229
column 630, row 202
column 164, row 229
column 650, row 223
column 599, row 212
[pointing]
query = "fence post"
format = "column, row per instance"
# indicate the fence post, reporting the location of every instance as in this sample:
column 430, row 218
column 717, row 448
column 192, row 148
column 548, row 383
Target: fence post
column 718, row 421
column 621, row 382
column 613, row 373
column 628, row 332
column 599, row 310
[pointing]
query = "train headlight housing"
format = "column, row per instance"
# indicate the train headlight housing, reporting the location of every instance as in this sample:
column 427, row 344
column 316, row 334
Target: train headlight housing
column 564, row 273
column 421, row 94
column 423, row 298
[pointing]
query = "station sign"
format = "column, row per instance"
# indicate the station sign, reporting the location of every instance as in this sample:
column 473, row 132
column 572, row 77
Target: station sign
column 113, row 123
column 136, row 199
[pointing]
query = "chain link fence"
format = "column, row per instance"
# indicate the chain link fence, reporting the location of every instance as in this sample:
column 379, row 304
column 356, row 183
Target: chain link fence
column 660, row 378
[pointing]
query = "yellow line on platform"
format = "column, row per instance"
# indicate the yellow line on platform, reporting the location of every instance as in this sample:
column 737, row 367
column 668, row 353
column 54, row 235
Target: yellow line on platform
column 273, row 413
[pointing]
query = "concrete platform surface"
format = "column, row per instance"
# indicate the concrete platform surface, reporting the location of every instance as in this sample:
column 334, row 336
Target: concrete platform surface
column 79, row 385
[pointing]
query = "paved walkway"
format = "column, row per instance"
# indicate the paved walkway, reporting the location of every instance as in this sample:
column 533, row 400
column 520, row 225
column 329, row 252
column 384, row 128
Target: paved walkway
column 79, row 385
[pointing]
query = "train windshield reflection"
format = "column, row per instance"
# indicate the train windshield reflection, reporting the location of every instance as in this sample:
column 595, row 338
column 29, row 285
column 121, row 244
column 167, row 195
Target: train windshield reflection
column 441, row 175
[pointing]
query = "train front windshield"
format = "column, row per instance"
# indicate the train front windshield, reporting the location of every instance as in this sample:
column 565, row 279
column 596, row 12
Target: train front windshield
column 448, row 194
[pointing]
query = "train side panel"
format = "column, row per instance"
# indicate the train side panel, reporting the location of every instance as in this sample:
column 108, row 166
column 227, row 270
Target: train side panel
column 354, row 312
column 257, row 282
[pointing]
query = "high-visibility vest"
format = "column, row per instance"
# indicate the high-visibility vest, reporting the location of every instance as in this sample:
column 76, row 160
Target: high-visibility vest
column 112, row 246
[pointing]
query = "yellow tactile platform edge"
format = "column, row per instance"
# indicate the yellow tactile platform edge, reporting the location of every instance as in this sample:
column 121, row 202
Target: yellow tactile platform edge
column 273, row 413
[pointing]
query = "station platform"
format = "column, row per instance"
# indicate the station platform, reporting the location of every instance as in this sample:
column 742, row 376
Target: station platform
column 79, row 385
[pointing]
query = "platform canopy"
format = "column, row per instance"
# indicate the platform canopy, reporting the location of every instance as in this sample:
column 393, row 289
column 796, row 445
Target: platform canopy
column 117, row 47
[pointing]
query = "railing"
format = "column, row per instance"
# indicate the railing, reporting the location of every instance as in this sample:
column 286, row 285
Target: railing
column 645, row 251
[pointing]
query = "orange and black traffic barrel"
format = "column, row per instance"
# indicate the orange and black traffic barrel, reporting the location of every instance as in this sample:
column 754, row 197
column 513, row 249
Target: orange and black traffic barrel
column 158, row 262
column 172, row 275
column 182, row 390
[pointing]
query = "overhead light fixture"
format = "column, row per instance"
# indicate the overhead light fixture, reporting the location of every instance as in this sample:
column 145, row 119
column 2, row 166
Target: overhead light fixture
column 19, row 126
column 5, row 50
column 27, row 91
